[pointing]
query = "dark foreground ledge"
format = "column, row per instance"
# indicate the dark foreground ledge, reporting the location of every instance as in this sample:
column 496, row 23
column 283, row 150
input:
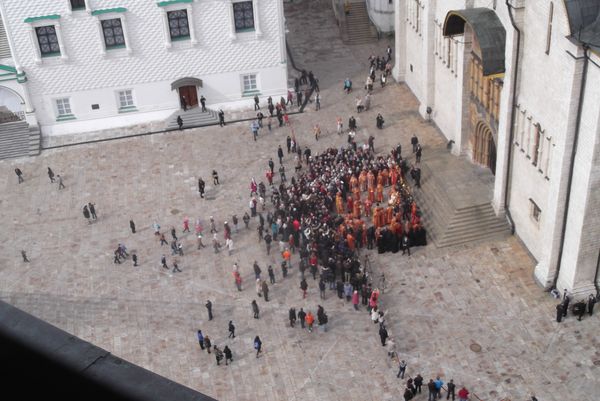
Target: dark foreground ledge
column 40, row 361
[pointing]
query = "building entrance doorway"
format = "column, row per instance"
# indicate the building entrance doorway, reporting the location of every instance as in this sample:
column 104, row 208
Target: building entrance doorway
column 484, row 147
column 188, row 95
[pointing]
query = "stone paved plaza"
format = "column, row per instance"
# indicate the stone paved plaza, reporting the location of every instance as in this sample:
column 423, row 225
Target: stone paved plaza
column 472, row 313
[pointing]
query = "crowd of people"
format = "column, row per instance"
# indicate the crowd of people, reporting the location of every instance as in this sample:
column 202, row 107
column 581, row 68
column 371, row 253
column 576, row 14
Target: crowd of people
column 339, row 203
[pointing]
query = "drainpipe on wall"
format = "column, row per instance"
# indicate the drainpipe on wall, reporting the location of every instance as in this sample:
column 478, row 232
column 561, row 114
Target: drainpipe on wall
column 512, row 117
column 572, row 164
column 596, row 276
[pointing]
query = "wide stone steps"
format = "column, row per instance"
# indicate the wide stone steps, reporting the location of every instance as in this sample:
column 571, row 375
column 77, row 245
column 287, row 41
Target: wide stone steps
column 359, row 29
column 448, row 225
column 17, row 139
column 193, row 118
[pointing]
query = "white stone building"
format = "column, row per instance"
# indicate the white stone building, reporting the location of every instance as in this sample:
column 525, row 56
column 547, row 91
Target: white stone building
column 515, row 85
column 86, row 65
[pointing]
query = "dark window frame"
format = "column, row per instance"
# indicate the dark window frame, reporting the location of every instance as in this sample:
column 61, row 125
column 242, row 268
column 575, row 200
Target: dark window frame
column 47, row 41
column 77, row 5
column 243, row 16
column 178, row 29
column 112, row 32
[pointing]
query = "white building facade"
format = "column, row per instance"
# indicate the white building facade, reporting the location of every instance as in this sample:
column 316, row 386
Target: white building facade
column 98, row 64
column 515, row 85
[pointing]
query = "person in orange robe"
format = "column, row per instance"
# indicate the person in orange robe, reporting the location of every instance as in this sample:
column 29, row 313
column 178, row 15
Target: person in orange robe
column 389, row 214
column 393, row 226
column 356, row 193
column 339, row 204
column 379, row 193
column 379, row 179
column 371, row 196
column 349, row 204
column 413, row 209
column 394, row 176
column 362, row 180
column 376, row 217
column 356, row 210
column 353, row 182
column 384, row 173
column 367, row 209
column 350, row 241
column 381, row 216
column 371, row 179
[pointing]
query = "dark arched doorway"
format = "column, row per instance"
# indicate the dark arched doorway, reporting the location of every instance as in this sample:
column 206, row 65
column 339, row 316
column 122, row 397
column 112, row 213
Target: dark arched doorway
column 484, row 147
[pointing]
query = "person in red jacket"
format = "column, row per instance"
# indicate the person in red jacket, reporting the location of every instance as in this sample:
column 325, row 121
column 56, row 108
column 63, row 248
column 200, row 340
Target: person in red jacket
column 310, row 319
column 463, row 394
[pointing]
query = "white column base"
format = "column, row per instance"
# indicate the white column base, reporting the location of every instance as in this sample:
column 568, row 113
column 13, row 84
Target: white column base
column 543, row 276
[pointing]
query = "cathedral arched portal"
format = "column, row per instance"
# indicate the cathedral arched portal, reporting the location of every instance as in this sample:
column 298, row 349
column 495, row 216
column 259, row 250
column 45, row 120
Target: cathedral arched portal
column 485, row 61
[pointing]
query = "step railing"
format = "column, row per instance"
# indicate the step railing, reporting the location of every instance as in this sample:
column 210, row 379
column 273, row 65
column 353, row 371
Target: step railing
column 340, row 16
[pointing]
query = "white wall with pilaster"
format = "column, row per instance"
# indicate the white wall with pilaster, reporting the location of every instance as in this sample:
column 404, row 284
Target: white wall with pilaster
column 582, row 236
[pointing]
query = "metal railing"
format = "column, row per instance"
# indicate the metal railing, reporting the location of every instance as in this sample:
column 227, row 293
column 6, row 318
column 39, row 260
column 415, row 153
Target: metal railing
column 12, row 116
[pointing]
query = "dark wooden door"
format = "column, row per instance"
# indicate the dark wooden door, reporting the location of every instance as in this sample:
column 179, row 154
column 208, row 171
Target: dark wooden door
column 492, row 155
column 191, row 95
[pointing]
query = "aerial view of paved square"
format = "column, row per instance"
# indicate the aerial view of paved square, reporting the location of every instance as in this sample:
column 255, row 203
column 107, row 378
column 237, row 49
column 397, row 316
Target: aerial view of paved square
column 415, row 222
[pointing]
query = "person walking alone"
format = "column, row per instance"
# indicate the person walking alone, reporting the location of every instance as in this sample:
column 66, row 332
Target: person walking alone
column 231, row 329
column 51, row 175
column 200, row 339
column 414, row 141
column 132, row 226
column 256, row 103
column 303, row 287
column 221, row 118
column 257, row 345
column 255, row 309
column 19, row 174
column 24, row 255
column 60, row 183
column 209, row 308
column 401, row 369
column 228, row 355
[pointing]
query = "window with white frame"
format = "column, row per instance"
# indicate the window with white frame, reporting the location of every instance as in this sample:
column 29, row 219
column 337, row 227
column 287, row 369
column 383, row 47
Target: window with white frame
column 179, row 28
column 63, row 107
column 47, row 40
column 126, row 99
column 112, row 30
column 249, row 83
column 243, row 16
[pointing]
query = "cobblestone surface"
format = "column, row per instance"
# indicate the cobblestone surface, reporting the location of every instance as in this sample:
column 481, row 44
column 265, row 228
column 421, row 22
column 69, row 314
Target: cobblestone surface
column 441, row 303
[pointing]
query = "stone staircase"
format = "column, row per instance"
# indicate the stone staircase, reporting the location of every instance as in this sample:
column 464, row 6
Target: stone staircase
column 17, row 139
column 450, row 218
column 194, row 117
column 359, row 29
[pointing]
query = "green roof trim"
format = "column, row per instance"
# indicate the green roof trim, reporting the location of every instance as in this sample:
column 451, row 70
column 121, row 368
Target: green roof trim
column 170, row 2
column 43, row 17
column 8, row 68
column 109, row 10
